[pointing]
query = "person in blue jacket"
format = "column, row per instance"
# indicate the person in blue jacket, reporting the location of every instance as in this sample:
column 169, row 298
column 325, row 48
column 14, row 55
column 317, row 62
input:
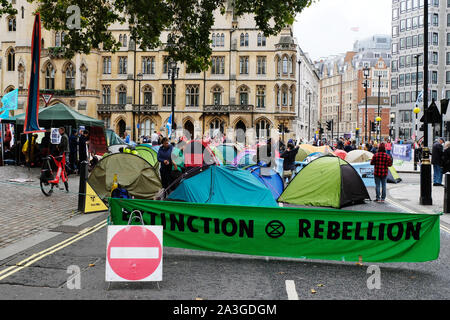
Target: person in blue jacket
column 165, row 158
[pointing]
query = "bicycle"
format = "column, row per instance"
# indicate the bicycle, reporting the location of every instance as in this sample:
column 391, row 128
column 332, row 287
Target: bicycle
column 48, row 180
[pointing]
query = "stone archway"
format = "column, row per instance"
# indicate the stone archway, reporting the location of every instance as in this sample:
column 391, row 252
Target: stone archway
column 121, row 127
column 189, row 128
column 240, row 129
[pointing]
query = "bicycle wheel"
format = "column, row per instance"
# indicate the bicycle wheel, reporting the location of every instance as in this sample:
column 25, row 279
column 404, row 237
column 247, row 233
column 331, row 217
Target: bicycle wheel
column 46, row 188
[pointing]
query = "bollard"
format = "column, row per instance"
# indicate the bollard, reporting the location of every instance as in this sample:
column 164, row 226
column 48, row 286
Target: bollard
column 82, row 189
column 447, row 193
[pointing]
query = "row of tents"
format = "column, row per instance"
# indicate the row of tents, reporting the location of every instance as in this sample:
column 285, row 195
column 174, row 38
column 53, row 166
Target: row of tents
column 224, row 175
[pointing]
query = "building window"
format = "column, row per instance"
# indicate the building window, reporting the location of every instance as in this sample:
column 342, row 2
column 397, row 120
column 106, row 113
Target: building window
column 167, row 95
column 122, row 95
column 165, row 64
column 57, row 39
column 261, row 40
column 50, row 77
column 106, row 95
column 260, row 96
column 262, row 129
column 106, row 65
column 148, row 65
column 261, row 65
column 12, row 24
column 147, row 128
column 243, row 65
column 217, row 95
column 285, row 65
column 122, row 65
column 284, row 96
column 277, row 96
column 291, row 96
column 244, row 40
column 125, row 41
column 148, row 95
column 215, row 127
column 11, row 60
column 243, row 96
column 218, row 65
column 70, row 77
column 192, row 95
column 218, row 40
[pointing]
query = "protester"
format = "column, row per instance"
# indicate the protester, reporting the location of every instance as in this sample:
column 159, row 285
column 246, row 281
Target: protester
column 289, row 160
column 265, row 155
column 8, row 138
column 165, row 158
column 436, row 161
column 63, row 146
column 126, row 137
column 30, row 154
column 348, row 147
column 381, row 161
column 446, row 158
column 73, row 146
column 388, row 146
column 83, row 142
column 154, row 138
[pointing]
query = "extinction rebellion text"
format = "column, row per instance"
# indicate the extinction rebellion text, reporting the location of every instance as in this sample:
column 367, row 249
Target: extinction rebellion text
column 317, row 229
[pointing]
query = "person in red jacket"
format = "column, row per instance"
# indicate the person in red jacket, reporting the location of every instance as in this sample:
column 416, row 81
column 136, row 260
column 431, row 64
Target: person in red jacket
column 382, row 161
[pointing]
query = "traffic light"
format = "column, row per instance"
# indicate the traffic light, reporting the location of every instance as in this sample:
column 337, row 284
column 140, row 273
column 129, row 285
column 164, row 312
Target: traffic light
column 280, row 128
column 357, row 133
column 321, row 131
column 329, row 125
column 373, row 126
column 444, row 106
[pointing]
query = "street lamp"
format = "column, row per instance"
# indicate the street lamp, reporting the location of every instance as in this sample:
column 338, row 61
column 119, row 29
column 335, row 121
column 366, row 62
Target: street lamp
column 416, row 112
column 366, row 85
column 172, row 74
column 379, row 121
column 139, row 78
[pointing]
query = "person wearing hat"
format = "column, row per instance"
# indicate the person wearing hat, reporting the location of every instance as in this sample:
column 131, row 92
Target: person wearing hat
column 381, row 161
column 289, row 160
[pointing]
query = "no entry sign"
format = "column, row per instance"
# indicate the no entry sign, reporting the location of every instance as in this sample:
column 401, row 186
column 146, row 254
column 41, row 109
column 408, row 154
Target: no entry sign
column 134, row 253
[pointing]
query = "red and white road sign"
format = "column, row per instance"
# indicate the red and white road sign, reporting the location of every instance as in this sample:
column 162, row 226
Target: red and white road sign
column 47, row 97
column 134, row 253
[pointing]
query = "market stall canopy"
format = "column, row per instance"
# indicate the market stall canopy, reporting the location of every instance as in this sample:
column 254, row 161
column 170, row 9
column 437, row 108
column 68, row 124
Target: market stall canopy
column 58, row 115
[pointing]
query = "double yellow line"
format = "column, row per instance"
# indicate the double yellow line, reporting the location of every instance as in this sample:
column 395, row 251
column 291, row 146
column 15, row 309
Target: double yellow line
column 39, row 255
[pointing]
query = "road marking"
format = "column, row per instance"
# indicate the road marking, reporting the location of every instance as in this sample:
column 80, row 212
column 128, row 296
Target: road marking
column 134, row 253
column 291, row 291
column 443, row 228
column 40, row 255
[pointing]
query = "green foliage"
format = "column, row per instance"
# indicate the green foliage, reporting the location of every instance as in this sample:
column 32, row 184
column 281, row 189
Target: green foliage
column 6, row 8
column 189, row 23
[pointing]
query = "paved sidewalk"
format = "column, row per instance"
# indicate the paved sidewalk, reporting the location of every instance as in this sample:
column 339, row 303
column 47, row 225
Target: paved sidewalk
column 26, row 211
column 405, row 167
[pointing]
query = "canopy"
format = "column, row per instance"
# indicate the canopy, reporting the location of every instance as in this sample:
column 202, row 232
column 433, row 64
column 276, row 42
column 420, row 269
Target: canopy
column 59, row 115
column 223, row 185
column 327, row 181
column 270, row 178
column 134, row 173
column 359, row 156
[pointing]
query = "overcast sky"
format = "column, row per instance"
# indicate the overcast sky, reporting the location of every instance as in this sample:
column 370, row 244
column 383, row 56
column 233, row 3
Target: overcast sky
column 325, row 28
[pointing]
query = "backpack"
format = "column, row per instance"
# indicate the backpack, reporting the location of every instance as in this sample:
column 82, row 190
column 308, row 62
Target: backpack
column 120, row 193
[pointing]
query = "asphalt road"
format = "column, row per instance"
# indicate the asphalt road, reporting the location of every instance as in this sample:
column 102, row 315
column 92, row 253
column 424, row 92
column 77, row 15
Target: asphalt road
column 191, row 275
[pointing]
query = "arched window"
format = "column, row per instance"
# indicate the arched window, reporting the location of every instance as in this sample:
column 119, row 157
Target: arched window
column 106, row 94
column 12, row 24
column 148, row 95
column 213, row 39
column 285, row 65
column 246, row 39
column 167, row 95
column 217, row 95
column 148, row 126
column 57, row 39
column 125, row 40
column 291, row 96
column 260, row 96
column 292, row 65
column 259, row 40
column 50, row 77
column 122, row 95
column 222, row 40
column 284, row 95
column 278, row 65
column 277, row 95
column 121, row 40
column 243, row 95
column 70, row 77
column 63, row 35
column 11, row 60
column 215, row 127
column 262, row 129
column 242, row 40
column 192, row 95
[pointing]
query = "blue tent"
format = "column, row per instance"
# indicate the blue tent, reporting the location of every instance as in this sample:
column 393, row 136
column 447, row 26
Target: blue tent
column 270, row 178
column 223, row 185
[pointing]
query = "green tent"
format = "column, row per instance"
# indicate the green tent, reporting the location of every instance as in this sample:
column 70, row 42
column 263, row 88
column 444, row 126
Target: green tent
column 393, row 176
column 327, row 181
column 59, row 115
column 113, row 139
column 135, row 174
column 148, row 154
column 302, row 154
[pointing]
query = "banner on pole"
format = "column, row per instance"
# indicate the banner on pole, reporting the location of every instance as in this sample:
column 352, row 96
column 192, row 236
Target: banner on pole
column 402, row 152
column 289, row 232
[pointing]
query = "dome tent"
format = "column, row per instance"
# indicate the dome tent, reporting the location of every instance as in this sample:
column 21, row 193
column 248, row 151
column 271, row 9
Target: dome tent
column 327, row 181
column 269, row 177
column 134, row 173
column 222, row 185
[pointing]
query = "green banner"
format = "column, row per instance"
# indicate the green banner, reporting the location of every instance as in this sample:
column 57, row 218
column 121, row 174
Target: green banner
column 289, row 232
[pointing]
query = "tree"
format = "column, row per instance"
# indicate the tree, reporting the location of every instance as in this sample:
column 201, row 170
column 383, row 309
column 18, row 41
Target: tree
column 6, row 8
column 189, row 23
